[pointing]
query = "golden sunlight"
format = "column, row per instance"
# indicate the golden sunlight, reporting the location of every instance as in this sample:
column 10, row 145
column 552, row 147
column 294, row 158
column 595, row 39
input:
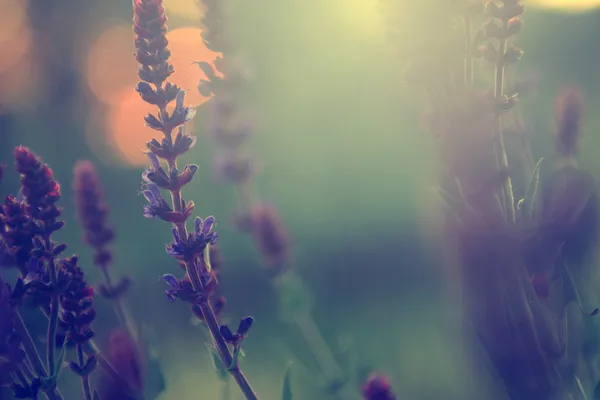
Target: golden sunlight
column 566, row 5
column 189, row 9
column 112, row 75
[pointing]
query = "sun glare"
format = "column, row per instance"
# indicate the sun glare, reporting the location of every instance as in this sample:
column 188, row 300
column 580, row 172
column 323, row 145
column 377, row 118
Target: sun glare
column 111, row 72
column 566, row 5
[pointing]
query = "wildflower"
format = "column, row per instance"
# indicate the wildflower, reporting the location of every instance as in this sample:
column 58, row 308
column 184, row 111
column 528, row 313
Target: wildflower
column 40, row 190
column 377, row 387
column 76, row 302
column 18, row 234
column 265, row 226
column 125, row 357
column 231, row 168
column 92, row 212
column 193, row 246
column 569, row 113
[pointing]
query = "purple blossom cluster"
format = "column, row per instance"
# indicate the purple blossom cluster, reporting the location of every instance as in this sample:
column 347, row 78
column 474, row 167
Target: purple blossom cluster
column 190, row 249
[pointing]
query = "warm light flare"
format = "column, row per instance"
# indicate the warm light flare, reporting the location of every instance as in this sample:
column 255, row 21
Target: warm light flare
column 12, row 19
column 112, row 68
column 111, row 72
column 566, row 5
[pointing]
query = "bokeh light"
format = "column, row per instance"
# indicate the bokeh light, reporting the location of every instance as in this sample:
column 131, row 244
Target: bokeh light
column 110, row 65
column 188, row 9
column 19, row 69
column 111, row 72
column 566, row 5
column 12, row 19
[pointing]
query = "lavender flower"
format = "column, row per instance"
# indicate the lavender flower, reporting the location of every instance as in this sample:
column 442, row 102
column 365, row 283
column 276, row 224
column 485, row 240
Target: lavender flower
column 569, row 112
column 377, row 387
column 264, row 225
column 93, row 212
column 93, row 215
column 18, row 233
column 124, row 355
column 187, row 248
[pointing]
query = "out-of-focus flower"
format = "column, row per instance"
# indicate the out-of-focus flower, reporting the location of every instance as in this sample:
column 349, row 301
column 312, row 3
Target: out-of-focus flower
column 123, row 354
column 377, row 387
column 569, row 113
column 269, row 234
column 93, row 212
column 77, row 302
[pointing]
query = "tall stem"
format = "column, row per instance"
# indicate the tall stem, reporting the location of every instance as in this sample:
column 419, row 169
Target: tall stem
column 318, row 347
column 501, row 157
column 85, row 379
column 33, row 356
column 205, row 307
column 54, row 308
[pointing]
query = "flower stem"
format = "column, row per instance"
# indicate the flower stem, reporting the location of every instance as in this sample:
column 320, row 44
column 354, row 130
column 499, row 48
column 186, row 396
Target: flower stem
column 90, row 348
column 318, row 347
column 54, row 308
column 205, row 307
column 85, row 379
column 33, row 356
column 501, row 157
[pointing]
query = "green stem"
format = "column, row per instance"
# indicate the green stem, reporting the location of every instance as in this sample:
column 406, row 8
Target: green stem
column 207, row 312
column 54, row 309
column 91, row 348
column 29, row 347
column 85, row 379
column 318, row 347
column 501, row 157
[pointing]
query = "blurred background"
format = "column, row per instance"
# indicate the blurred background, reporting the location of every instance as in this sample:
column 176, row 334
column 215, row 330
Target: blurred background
column 342, row 157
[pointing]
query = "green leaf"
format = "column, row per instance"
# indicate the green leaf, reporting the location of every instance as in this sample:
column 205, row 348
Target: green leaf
column 60, row 361
column 286, row 390
column 294, row 299
column 457, row 207
column 207, row 258
column 237, row 352
column 529, row 203
column 217, row 363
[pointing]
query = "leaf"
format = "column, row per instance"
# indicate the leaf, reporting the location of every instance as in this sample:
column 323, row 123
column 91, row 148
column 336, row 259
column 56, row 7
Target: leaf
column 529, row 203
column 286, row 389
column 207, row 258
column 217, row 363
column 61, row 360
column 237, row 352
column 456, row 207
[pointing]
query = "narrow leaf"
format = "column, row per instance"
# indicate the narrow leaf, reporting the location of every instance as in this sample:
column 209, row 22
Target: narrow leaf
column 207, row 258
column 217, row 363
column 530, row 201
column 286, row 390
